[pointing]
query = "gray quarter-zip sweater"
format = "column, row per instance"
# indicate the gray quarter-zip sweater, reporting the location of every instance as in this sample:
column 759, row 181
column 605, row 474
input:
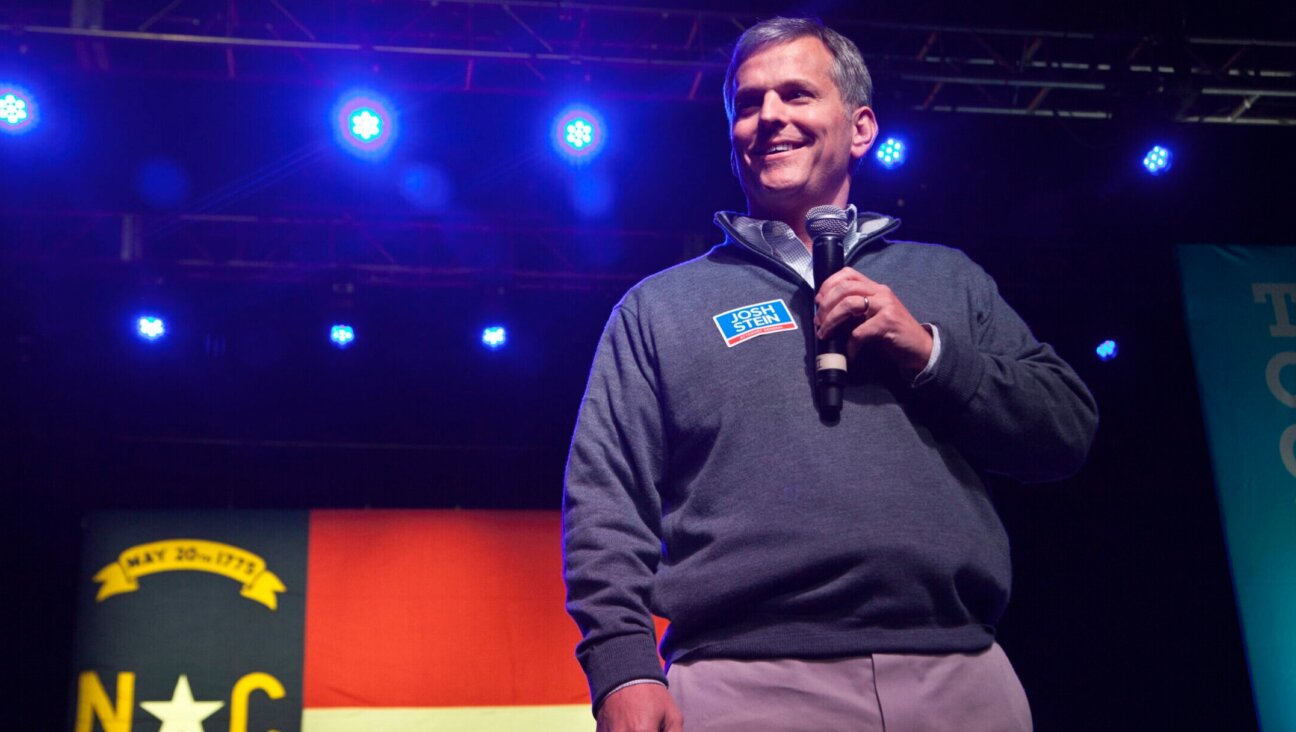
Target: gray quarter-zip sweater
column 702, row 485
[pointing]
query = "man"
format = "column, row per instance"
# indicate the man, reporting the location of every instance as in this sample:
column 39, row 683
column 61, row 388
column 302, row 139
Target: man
column 818, row 574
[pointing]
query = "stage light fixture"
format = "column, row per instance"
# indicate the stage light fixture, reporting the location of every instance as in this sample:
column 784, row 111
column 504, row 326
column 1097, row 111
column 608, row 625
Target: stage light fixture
column 342, row 335
column 13, row 109
column 578, row 133
column 1158, row 160
column 18, row 110
column 1107, row 350
column 494, row 337
column 150, row 328
column 891, row 154
column 365, row 124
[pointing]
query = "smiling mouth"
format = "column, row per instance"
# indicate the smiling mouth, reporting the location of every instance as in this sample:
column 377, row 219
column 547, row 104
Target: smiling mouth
column 781, row 147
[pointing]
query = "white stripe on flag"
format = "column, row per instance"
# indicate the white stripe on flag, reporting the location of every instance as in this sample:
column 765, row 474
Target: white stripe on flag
column 555, row 718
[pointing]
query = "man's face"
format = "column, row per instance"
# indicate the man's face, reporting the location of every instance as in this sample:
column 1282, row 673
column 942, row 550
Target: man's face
column 793, row 138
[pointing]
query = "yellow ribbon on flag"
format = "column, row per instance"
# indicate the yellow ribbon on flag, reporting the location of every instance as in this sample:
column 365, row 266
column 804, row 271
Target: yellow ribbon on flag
column 171, row 555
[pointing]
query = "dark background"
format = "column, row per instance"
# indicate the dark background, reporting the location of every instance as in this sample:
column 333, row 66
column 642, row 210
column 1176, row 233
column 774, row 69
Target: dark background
column 1123, row 615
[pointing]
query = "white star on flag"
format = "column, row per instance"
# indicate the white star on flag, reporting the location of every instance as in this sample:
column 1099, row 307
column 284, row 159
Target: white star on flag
column 182, row 713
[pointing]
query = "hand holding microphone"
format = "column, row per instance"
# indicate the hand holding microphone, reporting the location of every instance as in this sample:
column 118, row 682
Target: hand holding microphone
column 852, row 310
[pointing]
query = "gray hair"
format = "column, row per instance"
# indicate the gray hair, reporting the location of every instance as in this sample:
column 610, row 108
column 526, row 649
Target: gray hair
column 848, row 70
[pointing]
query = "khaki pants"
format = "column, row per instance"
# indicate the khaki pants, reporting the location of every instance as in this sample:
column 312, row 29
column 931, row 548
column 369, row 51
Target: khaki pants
column 962, row 692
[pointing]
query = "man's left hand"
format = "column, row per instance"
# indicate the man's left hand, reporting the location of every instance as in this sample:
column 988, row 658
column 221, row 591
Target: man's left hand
column 873, row 317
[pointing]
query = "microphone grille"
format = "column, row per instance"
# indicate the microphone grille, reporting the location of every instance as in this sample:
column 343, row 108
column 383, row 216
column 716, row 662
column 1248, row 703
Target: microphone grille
column 826, row 221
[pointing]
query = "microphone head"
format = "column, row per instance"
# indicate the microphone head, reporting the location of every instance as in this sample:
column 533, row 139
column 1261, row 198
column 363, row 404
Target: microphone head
column 826, row 221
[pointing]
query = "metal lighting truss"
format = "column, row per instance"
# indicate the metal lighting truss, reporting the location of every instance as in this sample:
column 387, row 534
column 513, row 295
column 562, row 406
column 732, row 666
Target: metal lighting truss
column 653, row 51
column 370, row 250
column 536, row 47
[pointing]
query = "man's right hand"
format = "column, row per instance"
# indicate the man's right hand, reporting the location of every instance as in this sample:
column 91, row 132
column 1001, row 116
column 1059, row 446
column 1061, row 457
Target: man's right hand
column 640, row 708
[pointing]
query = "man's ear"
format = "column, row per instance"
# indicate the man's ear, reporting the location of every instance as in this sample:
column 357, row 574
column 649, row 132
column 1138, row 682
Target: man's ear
column 864, row 132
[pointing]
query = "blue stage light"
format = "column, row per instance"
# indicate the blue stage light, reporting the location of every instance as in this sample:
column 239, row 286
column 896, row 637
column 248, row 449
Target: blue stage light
column 578, row 133
column 1158, row 160
column 494, row 337
column 18, row 110
column 891, row 154
column 150, row 327
column 341, row 335
column 1107, row 350
column 365, row 124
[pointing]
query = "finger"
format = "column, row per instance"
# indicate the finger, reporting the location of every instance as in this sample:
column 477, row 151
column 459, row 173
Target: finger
column 841, row 275
column 848, row 274
column 830, row 299
column 839, row 279
column 861, row 334
column 850, row 285
column 875, row 330
column 848, row 312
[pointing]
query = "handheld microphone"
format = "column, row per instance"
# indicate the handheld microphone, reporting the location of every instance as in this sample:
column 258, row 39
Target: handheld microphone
column 827, row 226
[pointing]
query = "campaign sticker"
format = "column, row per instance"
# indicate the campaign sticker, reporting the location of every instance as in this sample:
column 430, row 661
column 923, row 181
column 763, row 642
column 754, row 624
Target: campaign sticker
column 749, row 321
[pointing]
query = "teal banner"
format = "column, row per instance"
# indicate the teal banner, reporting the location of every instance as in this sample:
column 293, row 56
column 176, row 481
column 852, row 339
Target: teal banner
column 1240, row 305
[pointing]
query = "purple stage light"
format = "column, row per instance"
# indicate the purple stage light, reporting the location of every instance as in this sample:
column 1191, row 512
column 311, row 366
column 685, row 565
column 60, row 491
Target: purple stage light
column 578, row 133
column 494, row 337
column 365, row 124
column 150, row 328
column 18, row 110
column 342, row 335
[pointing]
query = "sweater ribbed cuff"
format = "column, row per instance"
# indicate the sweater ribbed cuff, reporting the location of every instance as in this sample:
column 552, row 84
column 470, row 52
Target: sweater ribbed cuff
column 615, row 661
column 955, row 376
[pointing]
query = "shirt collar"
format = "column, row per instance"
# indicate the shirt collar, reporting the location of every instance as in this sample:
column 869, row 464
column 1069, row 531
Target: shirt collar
column 775, row 239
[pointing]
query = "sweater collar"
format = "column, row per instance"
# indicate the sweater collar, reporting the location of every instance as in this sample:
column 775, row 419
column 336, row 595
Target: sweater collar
column 775, row 238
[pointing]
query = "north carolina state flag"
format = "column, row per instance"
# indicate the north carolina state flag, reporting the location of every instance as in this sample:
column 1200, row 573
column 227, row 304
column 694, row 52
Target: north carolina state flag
column 439, row 620
column 327, row 621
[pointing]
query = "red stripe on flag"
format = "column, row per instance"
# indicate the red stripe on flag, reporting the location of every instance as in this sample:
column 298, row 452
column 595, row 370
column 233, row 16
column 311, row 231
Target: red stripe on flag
column 438, row 608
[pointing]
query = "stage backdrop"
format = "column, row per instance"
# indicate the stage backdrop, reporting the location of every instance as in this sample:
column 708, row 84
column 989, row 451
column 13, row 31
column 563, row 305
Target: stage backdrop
column 1241, row 310
column 325, row 621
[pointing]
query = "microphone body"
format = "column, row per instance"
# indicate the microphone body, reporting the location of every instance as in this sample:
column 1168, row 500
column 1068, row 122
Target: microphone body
column 827, row 225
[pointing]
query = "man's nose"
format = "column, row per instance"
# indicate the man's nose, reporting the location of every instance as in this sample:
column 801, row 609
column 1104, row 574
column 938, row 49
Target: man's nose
column 773, row 111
